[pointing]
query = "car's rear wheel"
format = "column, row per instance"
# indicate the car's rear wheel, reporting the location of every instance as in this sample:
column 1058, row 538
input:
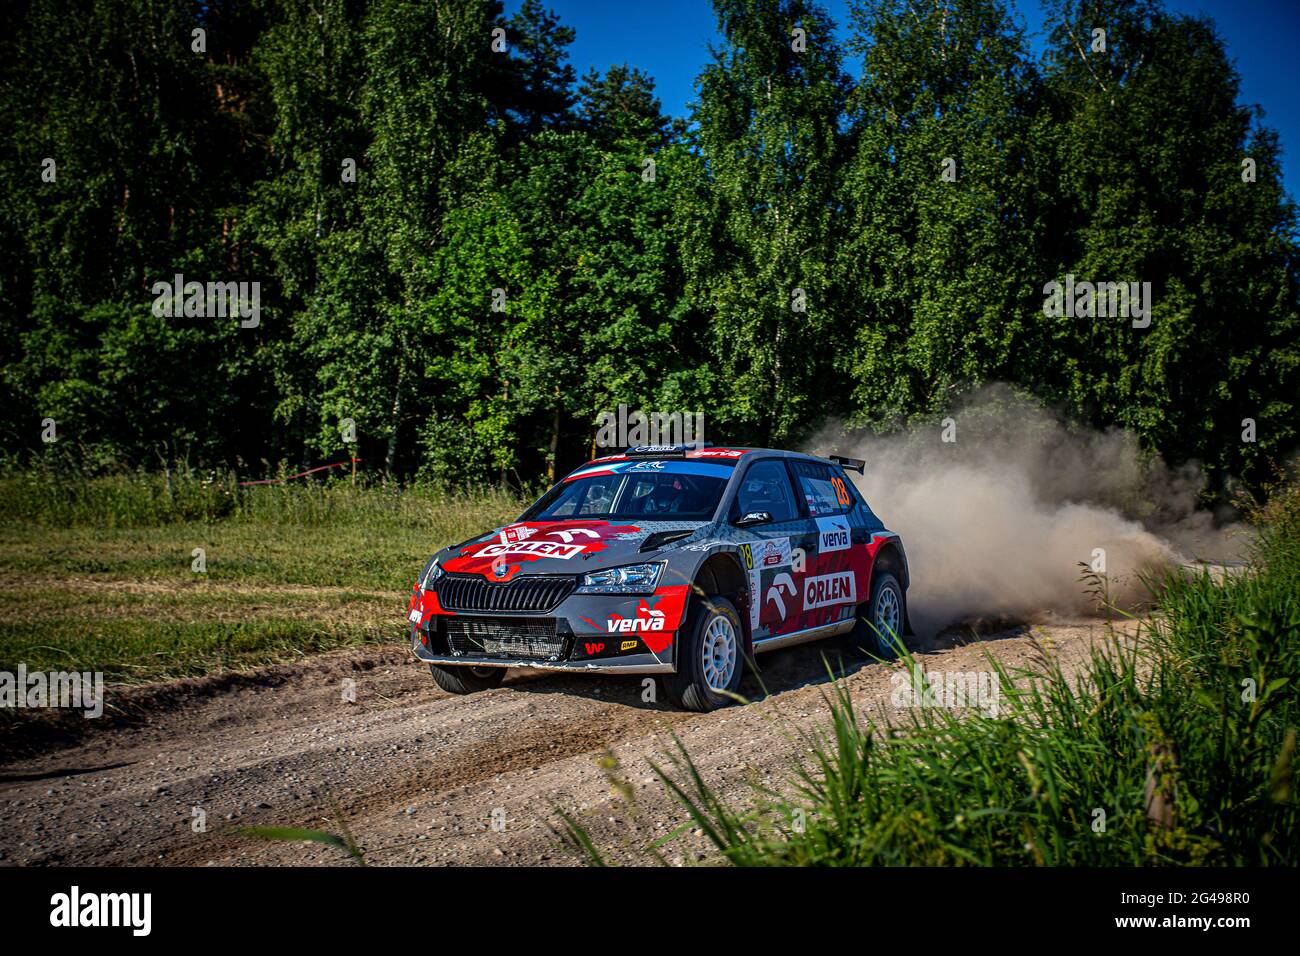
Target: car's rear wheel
column 880, row 619
column 710, row 656
column 466, row 680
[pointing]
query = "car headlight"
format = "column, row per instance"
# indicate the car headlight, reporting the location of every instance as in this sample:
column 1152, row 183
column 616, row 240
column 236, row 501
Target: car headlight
column 431, row 574
column 630, row 579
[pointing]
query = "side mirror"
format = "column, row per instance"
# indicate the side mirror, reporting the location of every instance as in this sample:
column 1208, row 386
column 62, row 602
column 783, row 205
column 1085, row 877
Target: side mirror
column 753, row 518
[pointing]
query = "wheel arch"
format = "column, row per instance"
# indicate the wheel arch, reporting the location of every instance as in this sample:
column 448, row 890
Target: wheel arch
column 721, row 574
column 892, row 558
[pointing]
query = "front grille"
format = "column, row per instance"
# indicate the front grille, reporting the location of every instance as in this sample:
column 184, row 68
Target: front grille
column 526, row 594
column 534, row 639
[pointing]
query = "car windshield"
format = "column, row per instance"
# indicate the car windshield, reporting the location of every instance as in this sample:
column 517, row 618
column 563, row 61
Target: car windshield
column 653, row 490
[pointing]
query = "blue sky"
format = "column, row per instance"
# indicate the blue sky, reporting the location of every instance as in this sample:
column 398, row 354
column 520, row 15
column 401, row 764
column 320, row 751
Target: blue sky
column 669, row 40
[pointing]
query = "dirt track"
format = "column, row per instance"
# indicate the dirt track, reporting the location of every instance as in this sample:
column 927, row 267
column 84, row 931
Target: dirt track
column 417, row 773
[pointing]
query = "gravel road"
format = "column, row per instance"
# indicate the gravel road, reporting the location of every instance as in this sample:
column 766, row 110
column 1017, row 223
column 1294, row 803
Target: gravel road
column 419, row 776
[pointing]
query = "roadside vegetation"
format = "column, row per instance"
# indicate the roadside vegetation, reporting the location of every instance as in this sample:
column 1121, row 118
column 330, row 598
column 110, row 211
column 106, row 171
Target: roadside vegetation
column 1177, row 748
column 98, row 573
column 470, row 252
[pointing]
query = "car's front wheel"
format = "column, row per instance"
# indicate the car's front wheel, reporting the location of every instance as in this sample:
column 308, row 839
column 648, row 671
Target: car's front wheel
column 466, row 680
column 880, row 619
column 710, row 656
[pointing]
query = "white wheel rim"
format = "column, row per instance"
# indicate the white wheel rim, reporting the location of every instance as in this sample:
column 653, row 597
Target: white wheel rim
column 719, row 651
column 887, row 613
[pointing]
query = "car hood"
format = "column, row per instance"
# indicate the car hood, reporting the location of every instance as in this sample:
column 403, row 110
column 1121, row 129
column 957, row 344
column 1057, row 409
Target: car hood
column 559, row 547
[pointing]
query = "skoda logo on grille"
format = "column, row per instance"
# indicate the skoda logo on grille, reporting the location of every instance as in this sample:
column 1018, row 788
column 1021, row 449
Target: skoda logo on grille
column 500, row 569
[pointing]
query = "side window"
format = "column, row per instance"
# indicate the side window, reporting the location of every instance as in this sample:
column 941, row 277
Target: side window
column 767, row 488
column 823, row 490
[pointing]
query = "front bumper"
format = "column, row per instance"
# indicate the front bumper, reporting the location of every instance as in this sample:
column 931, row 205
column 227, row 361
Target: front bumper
column 629, row 664
column 598, row 633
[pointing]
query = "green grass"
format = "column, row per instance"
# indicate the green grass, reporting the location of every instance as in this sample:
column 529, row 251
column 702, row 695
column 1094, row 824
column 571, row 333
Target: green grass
column 1185, row 740
column 145, row 500
column 96, row 574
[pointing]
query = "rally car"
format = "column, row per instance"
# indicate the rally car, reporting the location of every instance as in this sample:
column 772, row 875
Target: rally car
column 679, row 561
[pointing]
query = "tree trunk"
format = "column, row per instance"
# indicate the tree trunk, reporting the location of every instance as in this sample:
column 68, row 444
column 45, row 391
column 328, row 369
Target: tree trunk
column 394, row 421
column 776, row 382
column 555, row 444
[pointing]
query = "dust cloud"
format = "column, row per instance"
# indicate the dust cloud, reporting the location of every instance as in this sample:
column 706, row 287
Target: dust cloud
column 997, row 522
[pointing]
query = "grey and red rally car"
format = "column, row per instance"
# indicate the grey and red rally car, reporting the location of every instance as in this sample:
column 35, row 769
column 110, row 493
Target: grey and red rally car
column 679, row 561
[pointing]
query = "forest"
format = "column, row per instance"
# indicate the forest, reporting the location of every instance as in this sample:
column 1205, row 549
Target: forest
column 464, row 253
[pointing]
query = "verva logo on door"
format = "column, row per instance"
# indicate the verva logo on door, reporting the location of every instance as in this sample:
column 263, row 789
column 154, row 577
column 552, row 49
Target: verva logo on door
column 833, row 534
column 826, row 589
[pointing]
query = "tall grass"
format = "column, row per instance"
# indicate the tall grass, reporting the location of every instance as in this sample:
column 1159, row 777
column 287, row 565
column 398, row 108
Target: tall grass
column 151, row 499
column 1176, row 748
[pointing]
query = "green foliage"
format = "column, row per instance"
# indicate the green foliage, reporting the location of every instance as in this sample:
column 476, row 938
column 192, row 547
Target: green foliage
column 542, row 79
column 380, row 169
column 941, row 187
column 1171, row 209
column 343, row 840
column 620, row 104
column 760, row 265
column 301, row 835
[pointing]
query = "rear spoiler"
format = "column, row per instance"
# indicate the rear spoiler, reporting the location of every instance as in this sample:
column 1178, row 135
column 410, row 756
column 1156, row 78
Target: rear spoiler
column 850, row 464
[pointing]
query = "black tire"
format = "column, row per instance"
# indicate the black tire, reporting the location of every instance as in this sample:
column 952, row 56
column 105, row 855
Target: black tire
column 466, row 680
column 887, row 602
column 688, row 688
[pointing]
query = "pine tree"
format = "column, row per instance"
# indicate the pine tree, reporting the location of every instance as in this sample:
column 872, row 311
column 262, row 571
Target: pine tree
column 541, row 95
column 620, row 104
